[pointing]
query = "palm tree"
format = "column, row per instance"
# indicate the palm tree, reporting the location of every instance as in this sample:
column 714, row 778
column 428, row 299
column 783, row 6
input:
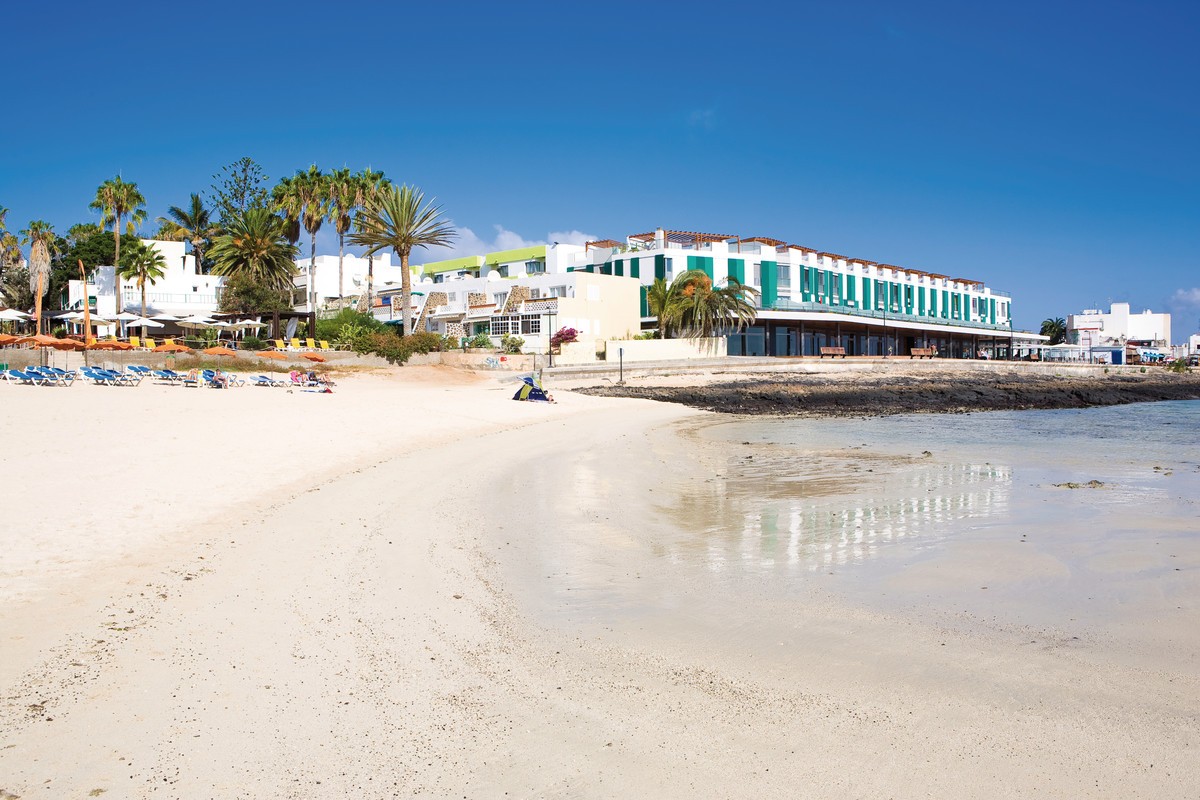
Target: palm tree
column 255, row 246
column 285, row 198
column 692, row 304
column 10, row 252
column 344, row 197
column 143, row 264
column 115, row 200
column 40, row 236
column 194, row 225
column 304, row 199
column 1055, row 328
column 370, row 186
column 665, row 302
column 403, row 220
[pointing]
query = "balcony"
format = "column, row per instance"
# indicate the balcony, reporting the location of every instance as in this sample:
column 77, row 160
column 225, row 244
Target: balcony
column 785, row 304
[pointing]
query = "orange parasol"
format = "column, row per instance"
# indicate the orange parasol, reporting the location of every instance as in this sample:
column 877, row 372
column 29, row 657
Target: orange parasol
column 6, row 339
column 219, row 351
column 68, row 344
column 275, row 354
column 172, row 348
column 313, row 357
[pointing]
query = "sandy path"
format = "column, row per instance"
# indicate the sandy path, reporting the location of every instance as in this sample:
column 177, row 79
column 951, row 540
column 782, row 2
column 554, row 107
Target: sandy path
column 360, row 639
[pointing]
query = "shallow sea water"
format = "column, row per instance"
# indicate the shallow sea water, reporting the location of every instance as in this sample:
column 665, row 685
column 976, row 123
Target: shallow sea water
column 990, row 518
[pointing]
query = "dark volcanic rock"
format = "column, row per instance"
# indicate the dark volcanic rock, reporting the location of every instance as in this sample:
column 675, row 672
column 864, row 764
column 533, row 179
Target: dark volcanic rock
column 869, row 395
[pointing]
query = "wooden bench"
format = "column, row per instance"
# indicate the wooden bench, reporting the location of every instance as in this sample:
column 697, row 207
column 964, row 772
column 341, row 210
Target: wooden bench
column 921, row 352
column 833, row 352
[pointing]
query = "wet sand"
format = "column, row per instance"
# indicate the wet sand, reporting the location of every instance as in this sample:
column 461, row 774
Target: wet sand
column 504, row 599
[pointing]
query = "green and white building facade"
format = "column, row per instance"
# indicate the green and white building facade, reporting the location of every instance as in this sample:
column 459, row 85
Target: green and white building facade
column 811, row 299
column 808, row 299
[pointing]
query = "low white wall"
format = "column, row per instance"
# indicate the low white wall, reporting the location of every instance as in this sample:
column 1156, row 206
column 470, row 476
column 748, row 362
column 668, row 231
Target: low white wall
column 664, row 349
column 581, row 352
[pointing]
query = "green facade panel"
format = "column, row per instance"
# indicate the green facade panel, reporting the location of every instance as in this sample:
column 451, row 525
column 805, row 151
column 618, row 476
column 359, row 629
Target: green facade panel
column 992, row 310
column 634, row 268
column 645, row 301
column 737, row 269
column 619, row 267
column 702, row 263
column 866, row 294
column 770, row 283
column 660, row 267
column 606, row 268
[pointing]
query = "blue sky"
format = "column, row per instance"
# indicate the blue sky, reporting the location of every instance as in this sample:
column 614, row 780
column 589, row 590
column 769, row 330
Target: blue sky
column 1048, row 149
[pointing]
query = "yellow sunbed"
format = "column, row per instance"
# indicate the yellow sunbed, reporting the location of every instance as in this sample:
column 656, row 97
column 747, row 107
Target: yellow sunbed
column 310, row 344
column 294, row 344
column 324, row 344
column 150, row 343
column 135, row 341
column 279, row 345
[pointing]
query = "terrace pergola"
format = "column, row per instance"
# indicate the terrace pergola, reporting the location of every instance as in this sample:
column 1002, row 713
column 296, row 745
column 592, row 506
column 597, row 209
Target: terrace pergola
column 693, row 238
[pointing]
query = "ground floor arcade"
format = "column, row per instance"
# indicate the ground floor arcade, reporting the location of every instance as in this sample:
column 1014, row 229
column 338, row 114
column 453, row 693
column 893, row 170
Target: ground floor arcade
column 806, row 338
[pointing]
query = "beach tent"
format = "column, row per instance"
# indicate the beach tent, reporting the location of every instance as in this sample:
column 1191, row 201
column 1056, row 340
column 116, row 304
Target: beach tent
column 531, row 390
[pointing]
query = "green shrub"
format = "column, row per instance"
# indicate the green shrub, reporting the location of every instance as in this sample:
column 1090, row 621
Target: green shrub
column 1143, row 369
column 649, row 335
column 385, row 345
column 481, row 339
column 59, row 332
column 1178, row 365
column 253, row 343
column 424, row 342
column 330, row 329
column 511, row 344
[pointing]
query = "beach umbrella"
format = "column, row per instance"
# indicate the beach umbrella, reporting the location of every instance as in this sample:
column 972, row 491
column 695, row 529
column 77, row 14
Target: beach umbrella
column 196, row 322
column 275, row 354
column 144, row 322
column 172, row 348
column 219, row 351
column 5, row 339
column 12, row 315
column 126, row 316
column 313, row 357
column 166, row 318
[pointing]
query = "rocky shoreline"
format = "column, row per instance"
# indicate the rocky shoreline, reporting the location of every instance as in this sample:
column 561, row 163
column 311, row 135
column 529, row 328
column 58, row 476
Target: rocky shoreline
column 875, row 395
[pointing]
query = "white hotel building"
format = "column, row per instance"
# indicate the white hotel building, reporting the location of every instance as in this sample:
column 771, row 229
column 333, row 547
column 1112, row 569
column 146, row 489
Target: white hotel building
column 808, row 299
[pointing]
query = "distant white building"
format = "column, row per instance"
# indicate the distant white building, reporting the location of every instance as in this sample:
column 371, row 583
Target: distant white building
column 354, row 277
column 1094, row 328
column 1193, row 344
column 182, row 291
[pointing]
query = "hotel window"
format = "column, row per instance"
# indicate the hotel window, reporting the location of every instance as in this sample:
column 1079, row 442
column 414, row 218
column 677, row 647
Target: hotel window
column 757, row 274
column 785, row 276
column 558, row 291
column 670, row 267
column 535, row 267
column 535, row 293
column 531, row 324
column 503, row 271
column 499, row 298
column 836, row 297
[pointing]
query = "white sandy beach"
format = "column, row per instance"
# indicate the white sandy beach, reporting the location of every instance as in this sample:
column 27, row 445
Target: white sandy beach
column 269, row 595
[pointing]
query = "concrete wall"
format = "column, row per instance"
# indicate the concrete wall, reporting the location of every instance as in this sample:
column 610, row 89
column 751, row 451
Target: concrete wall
column 664, row 349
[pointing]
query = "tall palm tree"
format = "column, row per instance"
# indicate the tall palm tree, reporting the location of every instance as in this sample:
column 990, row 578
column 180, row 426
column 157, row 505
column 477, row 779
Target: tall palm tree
column 195, row 224
column 255, row 246
column 115, row 200
column 370, row 186
column 344, row 195
column 143, row 264
column 304, row 198
column 285, row 199
column 403, row 220
column 40, row 236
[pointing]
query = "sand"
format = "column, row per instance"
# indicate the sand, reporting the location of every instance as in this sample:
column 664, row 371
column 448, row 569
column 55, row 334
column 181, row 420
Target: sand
column 377, row 593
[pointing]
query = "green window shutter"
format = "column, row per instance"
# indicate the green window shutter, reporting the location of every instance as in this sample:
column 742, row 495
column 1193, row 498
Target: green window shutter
column 634, row 270
column 992, row 309
column 921, row 300
column 618, row 267
column 908, row 299
column 645, row 302
column 737, row 269
column 866, row 293
column 770, row 283
column 806, row 284
column 606, row 268
column 693, row 262
column 851, row 294
column 660, row 267
column 945, row 304
column 706, row 264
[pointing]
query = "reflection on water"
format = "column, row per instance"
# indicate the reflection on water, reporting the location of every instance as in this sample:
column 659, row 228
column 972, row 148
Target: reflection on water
column 799, row 512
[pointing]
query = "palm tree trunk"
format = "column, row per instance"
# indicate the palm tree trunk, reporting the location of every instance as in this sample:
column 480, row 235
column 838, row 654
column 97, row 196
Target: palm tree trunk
column 341, row 256
column 312, row 272
column 371, row 284
column 405, row 295
column 116, row 262
column 143, row 282
column 198, row 254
